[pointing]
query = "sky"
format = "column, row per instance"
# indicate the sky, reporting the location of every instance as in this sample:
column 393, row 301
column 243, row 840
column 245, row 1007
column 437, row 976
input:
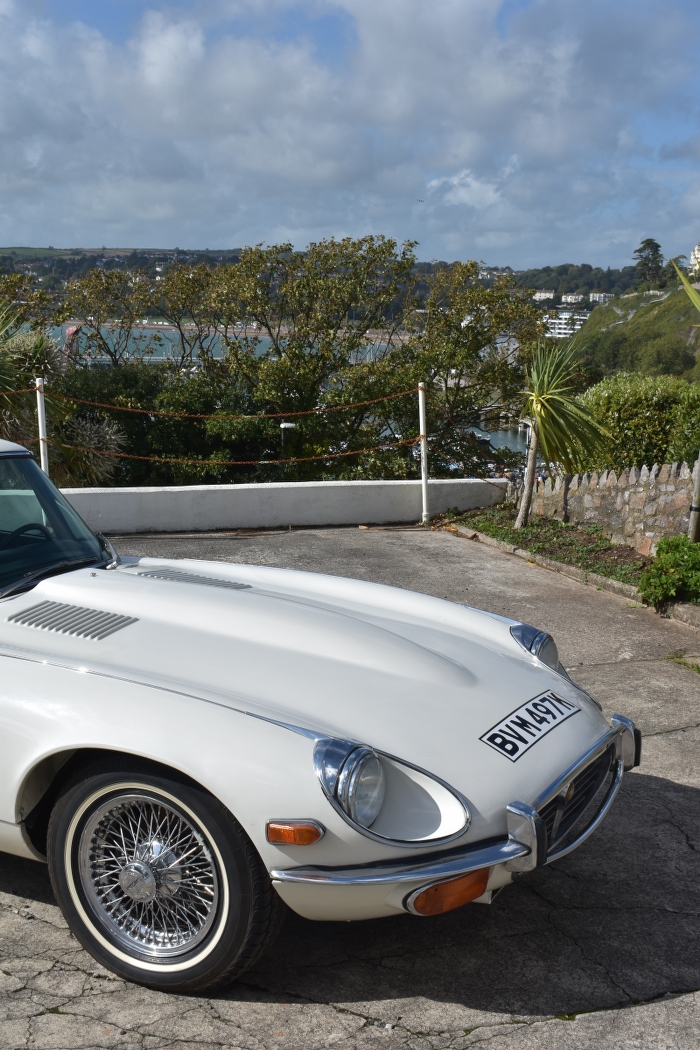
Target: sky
column 518, row 132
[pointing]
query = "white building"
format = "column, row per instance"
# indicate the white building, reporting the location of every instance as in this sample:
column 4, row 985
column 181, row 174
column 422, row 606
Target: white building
column 565, row 323
column 572, row 297
column 601, row 297
column 543, row 295
column 694, row 261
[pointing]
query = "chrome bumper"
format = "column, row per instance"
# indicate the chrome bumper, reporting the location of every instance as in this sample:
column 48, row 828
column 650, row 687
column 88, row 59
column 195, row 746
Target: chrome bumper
column 523, row 850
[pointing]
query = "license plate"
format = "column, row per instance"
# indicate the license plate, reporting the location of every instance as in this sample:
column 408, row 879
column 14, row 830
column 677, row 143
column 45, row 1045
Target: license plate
column 522, row 728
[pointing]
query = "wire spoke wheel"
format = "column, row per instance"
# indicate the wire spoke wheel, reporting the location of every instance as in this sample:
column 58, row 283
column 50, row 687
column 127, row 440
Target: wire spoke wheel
column 156, row 877
column 148, row 875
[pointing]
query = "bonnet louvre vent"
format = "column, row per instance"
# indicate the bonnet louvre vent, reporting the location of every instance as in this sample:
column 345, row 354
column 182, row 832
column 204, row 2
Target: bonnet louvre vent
column 177, row 576
column 72, row 619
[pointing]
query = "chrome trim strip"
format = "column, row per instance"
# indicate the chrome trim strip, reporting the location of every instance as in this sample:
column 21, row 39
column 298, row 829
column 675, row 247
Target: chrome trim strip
column 461, row 864
column 585, row 759
column 32, row 657
column 602, row 813
column 500, row 852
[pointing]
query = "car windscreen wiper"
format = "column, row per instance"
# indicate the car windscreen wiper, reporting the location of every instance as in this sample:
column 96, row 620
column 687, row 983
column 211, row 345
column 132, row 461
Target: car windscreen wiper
column 48, row 570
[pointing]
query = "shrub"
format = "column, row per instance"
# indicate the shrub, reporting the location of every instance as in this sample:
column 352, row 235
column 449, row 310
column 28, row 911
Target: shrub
column 674, row 572
column 650, row 420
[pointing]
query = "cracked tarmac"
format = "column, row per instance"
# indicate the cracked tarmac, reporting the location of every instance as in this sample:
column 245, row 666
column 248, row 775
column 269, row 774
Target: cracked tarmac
column 600, row 950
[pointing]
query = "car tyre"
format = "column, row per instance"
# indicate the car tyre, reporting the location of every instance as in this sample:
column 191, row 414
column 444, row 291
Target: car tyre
column 157, row 880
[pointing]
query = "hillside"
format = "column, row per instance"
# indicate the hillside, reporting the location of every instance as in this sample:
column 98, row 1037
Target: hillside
column 640, row 333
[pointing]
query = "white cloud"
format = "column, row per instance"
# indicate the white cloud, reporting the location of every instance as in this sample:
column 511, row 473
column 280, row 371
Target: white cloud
column 197, row 133
column 464, row 188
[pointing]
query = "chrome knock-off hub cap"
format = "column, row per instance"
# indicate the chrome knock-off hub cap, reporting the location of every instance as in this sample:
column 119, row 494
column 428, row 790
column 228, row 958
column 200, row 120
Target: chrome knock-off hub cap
column 149, row 875
column 138, row 881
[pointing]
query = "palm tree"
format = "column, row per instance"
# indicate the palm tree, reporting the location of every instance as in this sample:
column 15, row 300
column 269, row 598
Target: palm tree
column 560, row 426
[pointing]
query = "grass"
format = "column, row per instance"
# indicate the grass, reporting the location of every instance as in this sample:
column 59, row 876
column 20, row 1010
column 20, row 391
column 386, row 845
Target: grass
column 644, row 334
column 678, row 657
column 584, row 546
column 645, row 316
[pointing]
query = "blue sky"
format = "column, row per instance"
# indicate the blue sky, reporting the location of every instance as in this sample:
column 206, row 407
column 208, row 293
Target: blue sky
column 515, row 131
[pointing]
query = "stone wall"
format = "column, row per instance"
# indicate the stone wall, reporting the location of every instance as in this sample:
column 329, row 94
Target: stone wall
column 638, row 508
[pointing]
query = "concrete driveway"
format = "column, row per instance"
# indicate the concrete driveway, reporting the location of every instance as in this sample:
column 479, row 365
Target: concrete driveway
column 600, row 950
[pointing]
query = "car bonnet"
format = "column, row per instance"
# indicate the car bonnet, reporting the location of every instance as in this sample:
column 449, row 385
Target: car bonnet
column 411, row 675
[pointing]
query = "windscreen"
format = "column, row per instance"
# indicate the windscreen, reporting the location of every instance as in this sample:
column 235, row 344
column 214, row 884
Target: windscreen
column 38, row 527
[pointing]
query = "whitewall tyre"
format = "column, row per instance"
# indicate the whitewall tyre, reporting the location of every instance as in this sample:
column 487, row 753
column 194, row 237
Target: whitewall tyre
column 158, row 881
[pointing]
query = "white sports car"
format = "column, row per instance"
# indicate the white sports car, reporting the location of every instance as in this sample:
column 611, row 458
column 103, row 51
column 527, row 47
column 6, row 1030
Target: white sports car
column 190, row 743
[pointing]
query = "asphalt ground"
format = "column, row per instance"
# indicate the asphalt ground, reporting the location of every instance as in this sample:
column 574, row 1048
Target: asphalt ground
column 600, row 950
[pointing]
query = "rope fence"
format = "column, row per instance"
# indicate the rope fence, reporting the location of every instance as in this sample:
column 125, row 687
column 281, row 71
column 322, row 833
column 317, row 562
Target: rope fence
column 322, row 410
column 420, row 440
column 236, row 462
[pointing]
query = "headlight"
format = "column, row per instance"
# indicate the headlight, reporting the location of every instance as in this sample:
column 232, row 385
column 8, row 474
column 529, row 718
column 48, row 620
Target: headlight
column 539, row 643
column 386, row 799
column 360, row 788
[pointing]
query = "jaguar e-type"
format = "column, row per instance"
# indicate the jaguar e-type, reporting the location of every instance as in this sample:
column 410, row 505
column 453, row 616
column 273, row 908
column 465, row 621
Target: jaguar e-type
column 193, row 745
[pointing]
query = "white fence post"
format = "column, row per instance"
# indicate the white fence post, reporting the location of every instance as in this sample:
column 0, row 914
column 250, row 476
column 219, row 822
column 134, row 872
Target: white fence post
column 425, row 516
column 41, row 417
column 694, row 520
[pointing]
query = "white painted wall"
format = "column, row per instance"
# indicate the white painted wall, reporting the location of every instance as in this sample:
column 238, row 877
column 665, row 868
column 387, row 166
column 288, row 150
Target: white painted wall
column 193, row 508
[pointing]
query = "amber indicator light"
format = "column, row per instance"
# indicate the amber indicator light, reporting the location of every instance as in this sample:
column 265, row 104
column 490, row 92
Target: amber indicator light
column 445, row 896
column 294, row 832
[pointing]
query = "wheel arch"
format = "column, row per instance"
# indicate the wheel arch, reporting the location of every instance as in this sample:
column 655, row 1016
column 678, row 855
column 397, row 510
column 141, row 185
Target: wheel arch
column 42, row 784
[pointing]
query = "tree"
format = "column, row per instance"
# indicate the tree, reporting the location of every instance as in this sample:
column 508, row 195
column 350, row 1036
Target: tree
column 184, row 296
column 560, row 426
column 678, row 264
column 466, row 344
column 25, row 354
column 107, row 306
column 315, row 327
column 650, row 261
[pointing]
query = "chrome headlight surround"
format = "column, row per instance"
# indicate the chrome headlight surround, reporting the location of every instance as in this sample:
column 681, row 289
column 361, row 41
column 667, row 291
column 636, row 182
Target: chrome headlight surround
column 337, row 764
column 540, row 644
column 543, row 647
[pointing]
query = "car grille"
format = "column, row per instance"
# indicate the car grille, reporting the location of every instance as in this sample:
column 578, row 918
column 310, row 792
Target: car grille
column 560, row 815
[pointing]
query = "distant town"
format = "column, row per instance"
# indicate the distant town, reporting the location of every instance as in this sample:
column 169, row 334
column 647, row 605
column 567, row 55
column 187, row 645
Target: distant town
column 570, row 291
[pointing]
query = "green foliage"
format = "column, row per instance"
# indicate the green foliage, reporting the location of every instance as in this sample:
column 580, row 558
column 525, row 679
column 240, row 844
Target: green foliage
column 277, row 331
column 643, row 334
column 107, row 306
column 650, row 420
column 567, row 431
column 25, row 354
column 563, row 430
column 466, row 345
column 674, row 572
column 583, row 279
column 186, row 297
column 691, row 292
column 335, row 325
column 650, row 261
column 582, row 545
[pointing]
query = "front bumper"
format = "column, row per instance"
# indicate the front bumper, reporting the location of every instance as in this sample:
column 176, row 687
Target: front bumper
column 538, row 834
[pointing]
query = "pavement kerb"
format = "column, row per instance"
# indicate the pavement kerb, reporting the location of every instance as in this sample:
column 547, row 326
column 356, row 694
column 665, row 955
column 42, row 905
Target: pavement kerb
column 684, row 612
